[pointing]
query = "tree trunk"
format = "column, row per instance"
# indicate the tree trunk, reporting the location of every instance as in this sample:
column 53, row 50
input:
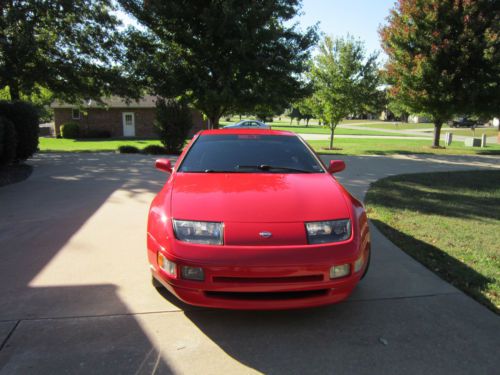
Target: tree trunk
column 14, row 91
column 291, row 120
column 214, row 122
column 307, row 122
column 437, row 132
column 332, row 131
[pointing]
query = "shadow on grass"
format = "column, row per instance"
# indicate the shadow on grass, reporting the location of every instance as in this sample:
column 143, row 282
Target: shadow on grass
column 440, row 193
column 138, row 140
column 399, row 152
column 489, row 152
column 441, row 263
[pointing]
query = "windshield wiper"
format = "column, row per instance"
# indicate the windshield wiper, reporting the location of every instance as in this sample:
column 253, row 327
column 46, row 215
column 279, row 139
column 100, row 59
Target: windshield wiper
column 208, row 170
column 214, row 171
column 266, row 167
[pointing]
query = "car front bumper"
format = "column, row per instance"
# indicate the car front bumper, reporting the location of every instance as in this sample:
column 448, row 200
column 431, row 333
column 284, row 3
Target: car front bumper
column 264, row 283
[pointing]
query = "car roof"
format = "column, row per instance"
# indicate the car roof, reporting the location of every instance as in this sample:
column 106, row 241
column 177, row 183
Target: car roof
column 239, row 122
column 246, row 131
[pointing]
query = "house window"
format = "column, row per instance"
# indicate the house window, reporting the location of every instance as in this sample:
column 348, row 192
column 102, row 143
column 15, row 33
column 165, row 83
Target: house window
column 75, row 114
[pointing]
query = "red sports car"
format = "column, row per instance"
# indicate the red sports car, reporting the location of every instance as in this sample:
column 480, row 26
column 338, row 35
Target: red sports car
column 252, row 219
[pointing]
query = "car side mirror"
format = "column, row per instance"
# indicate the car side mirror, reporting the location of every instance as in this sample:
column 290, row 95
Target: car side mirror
column 163, row 165
column 336, row 166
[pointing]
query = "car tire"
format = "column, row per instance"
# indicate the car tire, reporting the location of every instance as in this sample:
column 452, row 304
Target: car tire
column 156, row 283
column 367, row 265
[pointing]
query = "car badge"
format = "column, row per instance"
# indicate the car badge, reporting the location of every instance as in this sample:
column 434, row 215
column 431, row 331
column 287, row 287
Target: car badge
column 265, row 234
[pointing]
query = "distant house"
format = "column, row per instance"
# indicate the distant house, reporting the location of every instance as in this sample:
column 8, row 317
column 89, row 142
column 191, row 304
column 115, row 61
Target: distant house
column 116, row 116
column 416, row 119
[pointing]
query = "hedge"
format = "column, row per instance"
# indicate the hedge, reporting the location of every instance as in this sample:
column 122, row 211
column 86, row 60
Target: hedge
column 126, row 149
column 173, row 122
column 8, row 141
column 24, row 116
column 154, row 150
column 70, row 130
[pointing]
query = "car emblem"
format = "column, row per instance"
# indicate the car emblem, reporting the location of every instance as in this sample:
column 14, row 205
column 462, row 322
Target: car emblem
column 265, row 234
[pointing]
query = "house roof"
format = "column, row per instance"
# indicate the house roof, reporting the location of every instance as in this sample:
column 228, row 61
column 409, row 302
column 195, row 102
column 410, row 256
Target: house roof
column 148, row 101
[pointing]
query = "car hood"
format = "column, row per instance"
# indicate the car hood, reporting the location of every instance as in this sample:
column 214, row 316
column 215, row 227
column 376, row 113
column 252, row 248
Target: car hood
column 257, row 197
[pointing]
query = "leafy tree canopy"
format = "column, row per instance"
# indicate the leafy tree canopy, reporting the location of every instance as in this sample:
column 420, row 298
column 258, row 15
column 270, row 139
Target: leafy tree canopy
column 72, row 48
column 223, row 55
column 444, row 57
column 345, row 80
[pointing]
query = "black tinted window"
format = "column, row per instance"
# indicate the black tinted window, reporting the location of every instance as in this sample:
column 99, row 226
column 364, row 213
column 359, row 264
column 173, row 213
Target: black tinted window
column 249, row 153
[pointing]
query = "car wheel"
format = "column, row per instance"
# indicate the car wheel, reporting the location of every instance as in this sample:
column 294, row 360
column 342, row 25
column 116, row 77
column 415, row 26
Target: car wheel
column 367, row 265
column 156, row 283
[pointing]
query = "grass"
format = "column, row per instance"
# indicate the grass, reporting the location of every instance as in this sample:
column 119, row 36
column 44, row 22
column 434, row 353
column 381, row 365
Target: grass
column 448, row 222
column 490, row 132
column 91, row 145
column 397, row 125
column 346, row 146
column 285, row 121
column 339, row 130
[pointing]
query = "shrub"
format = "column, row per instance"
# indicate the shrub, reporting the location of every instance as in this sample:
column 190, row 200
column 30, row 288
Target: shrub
column 154, row 150
column 8, row 141
column 24, row 116
column 70, row 130
column 126, row 149
column 98, row 134
column 173, row 122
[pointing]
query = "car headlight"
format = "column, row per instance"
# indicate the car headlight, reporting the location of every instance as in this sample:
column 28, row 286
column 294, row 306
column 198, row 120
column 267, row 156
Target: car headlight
column 328, row 231
column 202, row 232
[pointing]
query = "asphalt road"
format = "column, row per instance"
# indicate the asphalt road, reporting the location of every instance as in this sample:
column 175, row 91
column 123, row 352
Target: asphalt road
column 75, row 295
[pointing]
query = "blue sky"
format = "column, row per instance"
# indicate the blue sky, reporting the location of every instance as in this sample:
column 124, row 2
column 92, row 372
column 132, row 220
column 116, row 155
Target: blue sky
column 359, row 18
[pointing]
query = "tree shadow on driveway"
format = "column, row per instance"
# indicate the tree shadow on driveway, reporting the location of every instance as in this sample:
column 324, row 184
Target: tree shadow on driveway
column 56, row 323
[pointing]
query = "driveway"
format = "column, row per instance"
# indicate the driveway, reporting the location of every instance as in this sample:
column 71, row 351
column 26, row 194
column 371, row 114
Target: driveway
column 75, row 293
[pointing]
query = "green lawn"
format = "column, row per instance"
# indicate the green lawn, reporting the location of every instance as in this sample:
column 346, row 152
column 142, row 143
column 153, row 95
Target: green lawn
column 397, row 125
column 346, row 146
column 90, row 145
column 448, row 222
column 339, row 130
column 490, row 132
column 285, row 121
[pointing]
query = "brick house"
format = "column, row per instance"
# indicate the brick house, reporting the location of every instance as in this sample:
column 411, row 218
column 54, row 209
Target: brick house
column 115, row 115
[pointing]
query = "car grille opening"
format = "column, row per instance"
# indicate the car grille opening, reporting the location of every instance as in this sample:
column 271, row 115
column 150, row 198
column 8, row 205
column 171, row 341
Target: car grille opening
column 267, row 280
column 268, row 295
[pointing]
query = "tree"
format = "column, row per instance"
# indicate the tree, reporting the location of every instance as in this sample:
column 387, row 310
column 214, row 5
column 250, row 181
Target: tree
column 306, row 109
column 294, row 113
column 41, row 98
column 399, row 109
column 263, row 112
column 444, row 57
column 344, row 80
column 222, row 55
column 173, row 122
column 72, row 48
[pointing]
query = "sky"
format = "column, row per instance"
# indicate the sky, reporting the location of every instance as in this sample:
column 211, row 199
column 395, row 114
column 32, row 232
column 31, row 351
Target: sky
column 359, row 18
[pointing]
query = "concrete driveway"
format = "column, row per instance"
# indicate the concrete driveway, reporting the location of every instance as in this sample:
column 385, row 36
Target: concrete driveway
column 75, row 294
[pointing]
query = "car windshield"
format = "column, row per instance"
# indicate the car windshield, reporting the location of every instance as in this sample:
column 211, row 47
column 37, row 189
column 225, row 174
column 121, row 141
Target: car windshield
column 249, row 153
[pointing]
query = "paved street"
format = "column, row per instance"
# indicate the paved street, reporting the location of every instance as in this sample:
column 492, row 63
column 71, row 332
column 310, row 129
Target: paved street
column 76, row 297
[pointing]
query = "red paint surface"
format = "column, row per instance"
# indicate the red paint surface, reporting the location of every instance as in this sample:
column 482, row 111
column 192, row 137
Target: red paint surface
column 287, row 271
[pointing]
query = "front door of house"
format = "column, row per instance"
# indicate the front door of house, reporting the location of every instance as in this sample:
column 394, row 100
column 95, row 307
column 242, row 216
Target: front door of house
column 128, row 124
